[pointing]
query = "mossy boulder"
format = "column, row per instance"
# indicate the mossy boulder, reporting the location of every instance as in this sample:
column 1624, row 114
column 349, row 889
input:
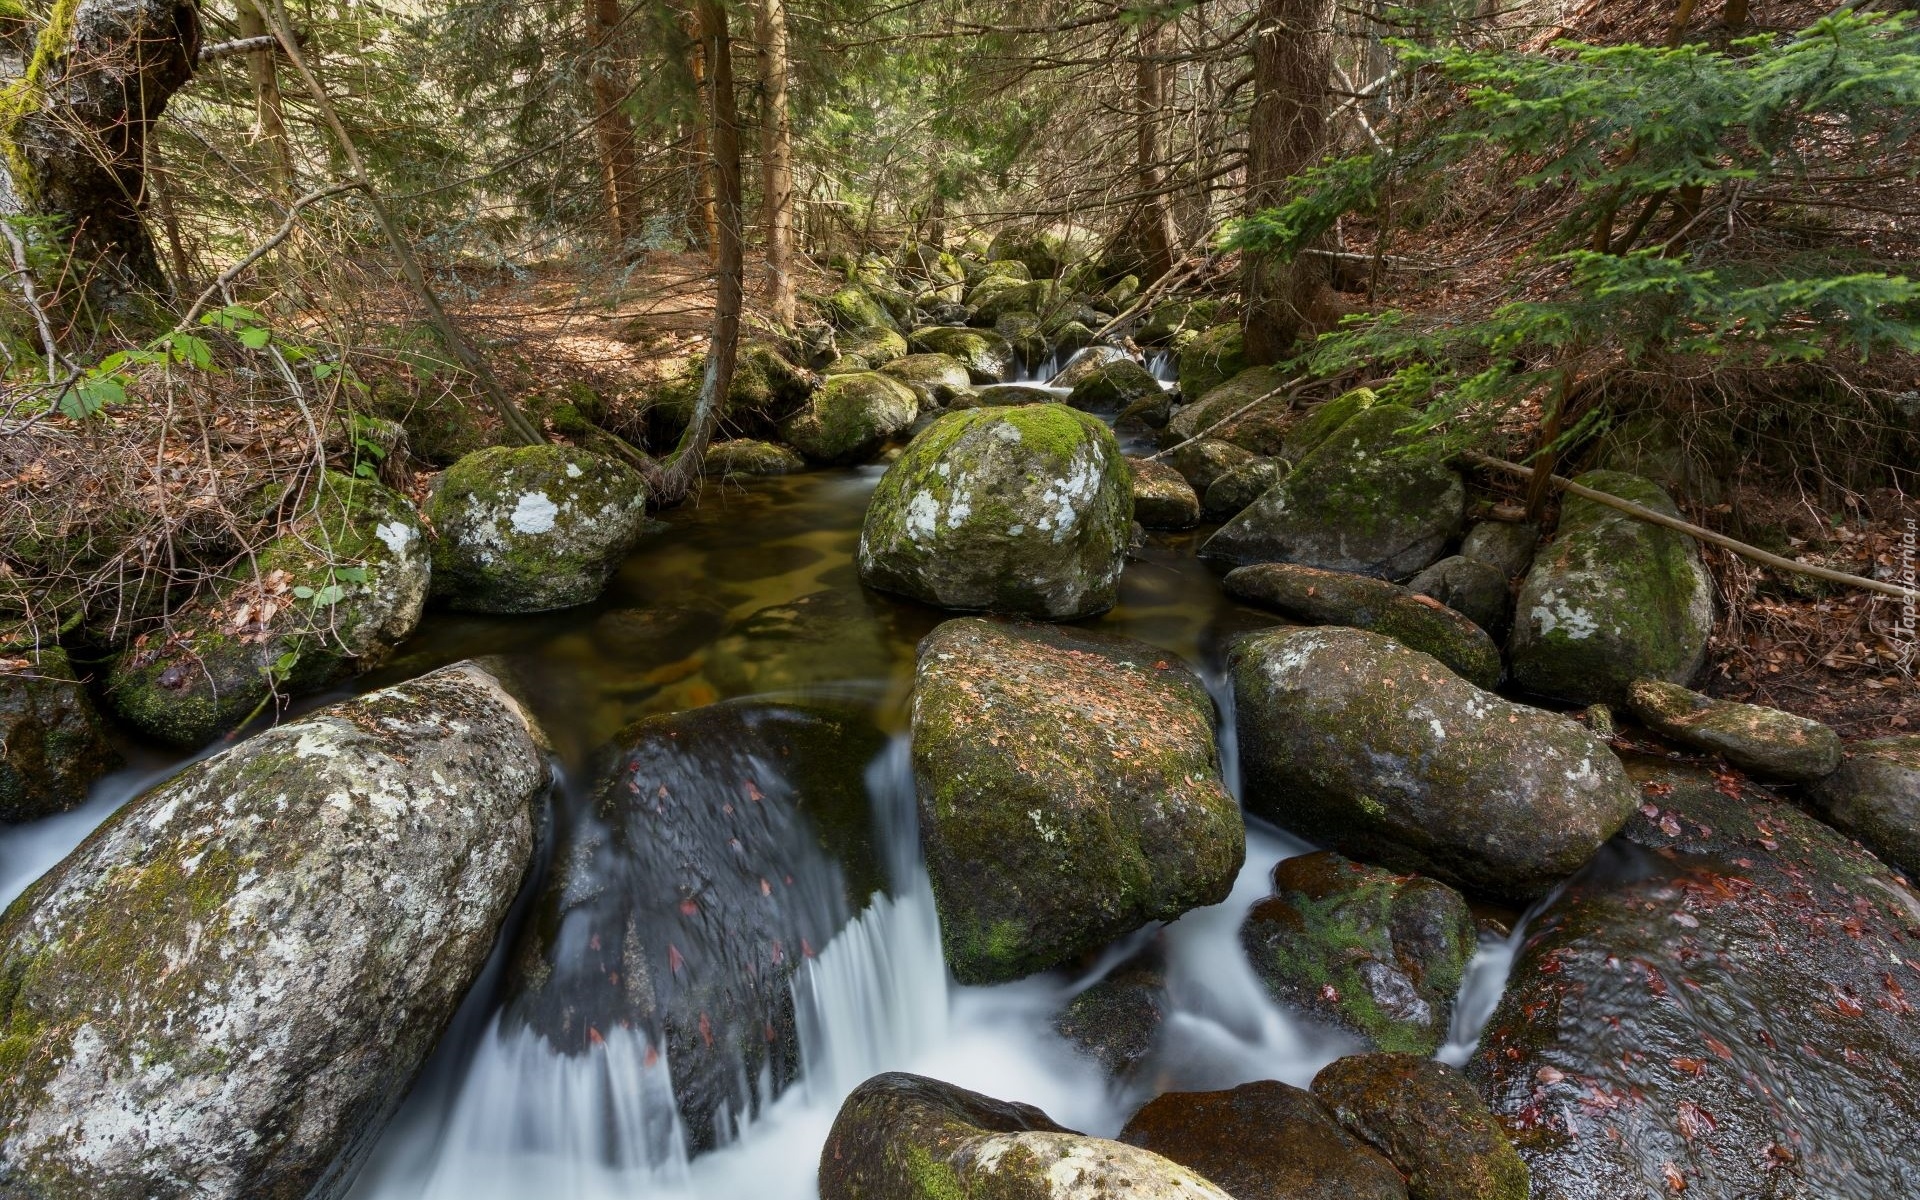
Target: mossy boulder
column 533, row 528
column 1012, row 510
column 1147, row 415
column 1042, row 841
column 937, row 380
column 986, row 355
column 53, row 744
column 745, row 456
column 1322, row 421
column 978, row 269
column 855, row 307
column 1378, row 954
column 907, row 1137
column 766, row 385
column 1611, row 600
column 1264, row 1141
column 1110, row 386
column 1162, row 498
column 1001, row 395
column 1116, row 1021
column 1875, row 796
column 1369, row 499
column 996, row 298
column 1362, row 602
column 333, row 595
column 1022, row 331
column 1172, row 317
column 1086, row 363
column 1048, row 250
column 1429, row 1122
column 1229, row 494
column 1207, row 460
column 1381, row 752
column 1211, row 359
column 851, row 418
column 1505, row 546
column 236, row 978
column 874, row 347
column 1474, row 589
column 1261, row 429
column 1762, row 741
column 1729, row 1009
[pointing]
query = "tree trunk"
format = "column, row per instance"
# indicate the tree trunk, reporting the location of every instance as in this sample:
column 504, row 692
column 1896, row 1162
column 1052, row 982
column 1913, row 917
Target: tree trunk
column 776, row 155
column 269, row 121
column 612, row 130
column 1292, row 61
column 705, row 217
column 1159, row 238
column 73, row 130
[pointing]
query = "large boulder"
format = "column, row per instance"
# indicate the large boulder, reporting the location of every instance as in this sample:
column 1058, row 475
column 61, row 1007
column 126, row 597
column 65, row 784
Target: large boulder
column 745, row 456
column 1261, row 427
column 1069, row 793
column 1875, row 796
column 937, row 379
column 1322, row 421
column 856, row 307
column 1012, row 510
column 1048, row 250
column 1377, row 954
column 1162, row 499
column 1009, row 395
column 1363, row 602
column 332, row 595
column 1264, row 1141
column 869, row 348
column 226, row 990
column 1762, row 741
column 1230, row 493
column 1611, row 600
column 906, row 1137
column 1727, row 1011
column 987, row 356
column 53, row 744
column 1430, row 1123
column 709, row 873
column 1211, row 359
column 1369, row 499
column 1381, row 752
column 1110, row 388
column 1208, row 460
column 849, row 418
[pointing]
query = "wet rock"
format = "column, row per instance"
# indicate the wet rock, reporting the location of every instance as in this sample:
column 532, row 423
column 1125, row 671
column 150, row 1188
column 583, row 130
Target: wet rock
column 1012, row 510
column 851, row 417
column 1360, row 601
column 1170, row 318
column 1763, row 741
column 334, row 595
column 1083, row 365
column 820, row 637
column 1069, row 793
column 1727, row 1009
column 1211, row 359
column 1117, row 1020
column 1430, row 1123
column 1502, row 545
column 1207, row 460
column 1611, row 600
column 987, row 356
column 1475, row 589
column 235, row 980
column 1355, row 741
column 906, row 1137
column 1011, row 395
column 1161, row 497
column 1369, row 499
column 1111, row 388
column 936, row 379
column 1150, row 412
column 709, row 869
column 745, row 456
column 1875, row 796
column 53, row 744
column 1232, row 492
column 1264, row 1141
column 1377, row 954
column 1262, row 429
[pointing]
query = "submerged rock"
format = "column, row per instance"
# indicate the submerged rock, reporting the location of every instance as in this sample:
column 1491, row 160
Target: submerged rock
column 1112, row 387
column 53, row 744
column 1013, row 510
column 821, row 637
column 987, row 356
column 1430, row 1123
column 1161, row 497
column 1368, row 499
column 1355, row 741
column 1117, row 1020
column 1378, row 954
column 1726, row 1011
column 1875, row 796
column 1264, row 1141
column 1069, row 793
column 936, row 379
column 1227, row 495
column 1476, row 590
column 1209, row 360
column 850, row 417
column 1764, row 741
column 235, row 980
column 906, row 1137
column 1612, row 599
column 744, row 456
column 1218, row 414
column 1362, row 602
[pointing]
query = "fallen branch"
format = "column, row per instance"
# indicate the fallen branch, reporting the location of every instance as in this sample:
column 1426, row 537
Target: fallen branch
column 1288, row 390
column 247, row 45
column 1655, row 517
column 226, row 278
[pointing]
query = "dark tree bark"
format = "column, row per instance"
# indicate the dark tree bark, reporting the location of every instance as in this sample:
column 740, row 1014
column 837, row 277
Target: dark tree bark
column 74, row 123
column 1159, row 237
column 1287, row 133
column 612, row 130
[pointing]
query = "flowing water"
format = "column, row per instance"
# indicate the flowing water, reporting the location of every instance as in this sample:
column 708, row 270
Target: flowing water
column 753, row 592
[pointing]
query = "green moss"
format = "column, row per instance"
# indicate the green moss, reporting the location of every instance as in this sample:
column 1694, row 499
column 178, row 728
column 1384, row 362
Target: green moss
column 932, row 1179
column 1324, row 421
column 23, row 97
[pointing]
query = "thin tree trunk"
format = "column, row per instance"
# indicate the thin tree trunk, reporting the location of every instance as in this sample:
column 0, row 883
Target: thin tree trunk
column 1160, row 239
column 612, row 130
column 706, row 218
column 269, row 121
column 776, row 155
column 1292, row 62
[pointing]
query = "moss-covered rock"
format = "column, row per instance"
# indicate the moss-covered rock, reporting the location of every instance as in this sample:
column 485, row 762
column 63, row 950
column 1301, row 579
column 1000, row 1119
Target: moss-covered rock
column 766, row 386
column 937, row 380
column 441, row 428
column 1047, row 251
column 996, row 298
column 1013, row 510
column 1086, row 363
column 874, row 347
column 1004, row 395
column 1022, row 331
column 1470, row 587
column 1110, row 386
column 1211, row 359
column 236, row 979
column 532, row 528
column 1505, row 546
column 1169, row 318
column 745, row 456
column 1208, row 460
column 53, row 744
column 1360, row 601
column 1162, row 498
column 1147, row 415
column 1232, row 492
column 1116, row 1021
column 1611, row 600
column 1875, row 796
column 907, row 1137
column 1261, row 429
column 1264, row 1141
column 855, row 307
column 1323, row 421
column 1759, row 740
column 850, row 418
column 1043, row 841
column 987, row 356
column 1730, row 1010
column 1377, row 954
column 333, row 595
column 1369, row 499
column 1430, row 1123
column 1381, row 752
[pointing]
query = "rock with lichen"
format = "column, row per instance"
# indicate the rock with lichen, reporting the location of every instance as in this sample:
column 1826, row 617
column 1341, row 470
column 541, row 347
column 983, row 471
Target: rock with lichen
column 850, row 418
column 747, row 456
column 1210, row 359
column 1162, row 498
column 1762, row 741
column 1235, row 411
column 936, row 379
column 1874, row 795
column 988, row 357
column 1431, row 1124
column 53, row 744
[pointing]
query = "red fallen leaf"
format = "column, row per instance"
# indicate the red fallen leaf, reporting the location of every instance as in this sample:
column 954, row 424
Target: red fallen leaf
column 1596, row 1098
column 1676, row 1182
column 1776, row 1156
column 1163, row 665
column 1848, row 1006
column 593, row 943
column 653, row 1057
column 593, row 1036
column 706, row 1031
column 767, row 1032
column 689, row 908
column 753, row 793
column 674, row 961
column 766, row 889
column 1854, row 1057
column 779, row 953
column 1695, row 1121
column 1855, row 928
column 806, row 949
column 663, row 793
column 1669, row 825
column 1329, row 993
column 1692, row 1066
column 1719, row 1048
column 1656, row 789
column 727, row 809
column 1650, row 811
